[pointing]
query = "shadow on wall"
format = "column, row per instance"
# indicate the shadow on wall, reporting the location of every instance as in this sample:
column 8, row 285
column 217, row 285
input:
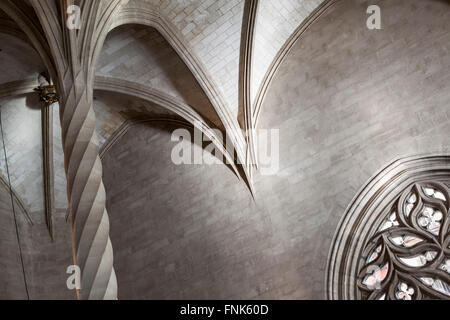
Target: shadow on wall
column 33, row 102
column 141, row 54
column 44, row 261
column 347, row 100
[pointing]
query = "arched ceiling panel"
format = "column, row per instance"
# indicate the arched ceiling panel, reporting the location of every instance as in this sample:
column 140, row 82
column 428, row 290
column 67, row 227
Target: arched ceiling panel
column 212, row 28
column 140, row 54
column 8, row 26
column 21, row 120
column 275, row 22
column 113, row 109
column 18, row 60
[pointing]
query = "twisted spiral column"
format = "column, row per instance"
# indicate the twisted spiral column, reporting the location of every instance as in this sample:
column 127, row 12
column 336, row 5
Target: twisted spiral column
column 92, row 247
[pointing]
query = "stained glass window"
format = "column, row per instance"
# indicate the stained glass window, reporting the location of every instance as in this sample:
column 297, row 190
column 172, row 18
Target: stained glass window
column 408, row 258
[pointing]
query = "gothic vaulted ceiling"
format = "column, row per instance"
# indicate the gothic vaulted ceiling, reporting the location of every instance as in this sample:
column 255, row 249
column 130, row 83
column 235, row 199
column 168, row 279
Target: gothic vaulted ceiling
column 161, row 58
column 207, row 64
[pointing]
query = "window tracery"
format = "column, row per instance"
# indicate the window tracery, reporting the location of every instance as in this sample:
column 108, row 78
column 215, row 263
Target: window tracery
column 393, row 242
column 408, row 257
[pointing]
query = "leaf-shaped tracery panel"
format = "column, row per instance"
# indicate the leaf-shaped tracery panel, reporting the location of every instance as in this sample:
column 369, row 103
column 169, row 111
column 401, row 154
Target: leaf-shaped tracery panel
column 408, row 258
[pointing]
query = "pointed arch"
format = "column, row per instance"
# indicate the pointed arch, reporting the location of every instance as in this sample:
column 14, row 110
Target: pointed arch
column 149, row 16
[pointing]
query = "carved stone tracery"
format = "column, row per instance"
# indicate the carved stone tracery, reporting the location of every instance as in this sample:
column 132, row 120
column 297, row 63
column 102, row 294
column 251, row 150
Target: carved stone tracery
column 393, row 242
column 409, row 257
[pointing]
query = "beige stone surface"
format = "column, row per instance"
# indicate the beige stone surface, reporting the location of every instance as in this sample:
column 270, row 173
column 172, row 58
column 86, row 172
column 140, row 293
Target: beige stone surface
column 21, row 118
column 113, row 109
column 213, row 29
column 18, row 59
column 347, row 101
column 44, row 261
column 59, row 175
column 275, row 22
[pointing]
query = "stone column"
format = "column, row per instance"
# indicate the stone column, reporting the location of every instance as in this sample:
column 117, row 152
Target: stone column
column 89, row 221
